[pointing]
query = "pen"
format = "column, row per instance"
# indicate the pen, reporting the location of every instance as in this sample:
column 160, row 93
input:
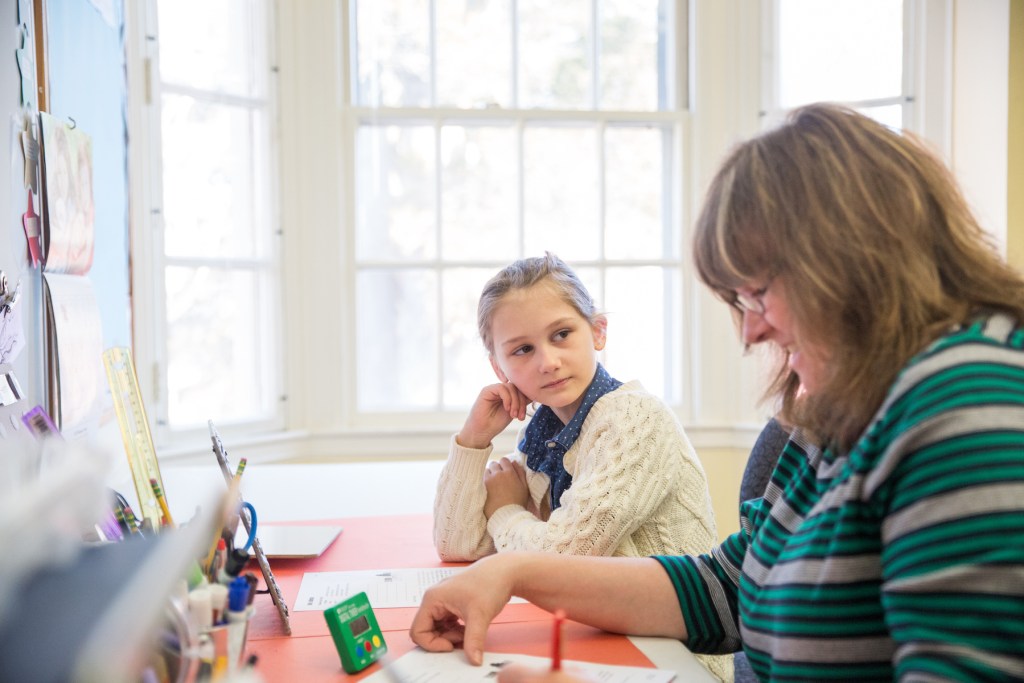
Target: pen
column 556, row 641
column 158, row 492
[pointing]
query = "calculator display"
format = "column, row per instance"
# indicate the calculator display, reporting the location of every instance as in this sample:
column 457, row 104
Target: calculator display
column 360, row 625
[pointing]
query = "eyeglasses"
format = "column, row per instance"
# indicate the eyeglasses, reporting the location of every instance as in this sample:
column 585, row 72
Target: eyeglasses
column 750, row 302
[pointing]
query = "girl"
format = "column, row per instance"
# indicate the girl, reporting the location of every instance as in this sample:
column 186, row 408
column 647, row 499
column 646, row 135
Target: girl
column 602, row 468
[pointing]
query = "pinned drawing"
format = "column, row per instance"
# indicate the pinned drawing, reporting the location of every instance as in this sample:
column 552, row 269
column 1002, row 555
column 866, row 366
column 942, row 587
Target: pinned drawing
column 68, row 211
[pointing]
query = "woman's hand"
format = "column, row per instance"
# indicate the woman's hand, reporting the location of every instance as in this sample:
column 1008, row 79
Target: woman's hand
column 495, row 407
column 459, row 609
column 505, row 482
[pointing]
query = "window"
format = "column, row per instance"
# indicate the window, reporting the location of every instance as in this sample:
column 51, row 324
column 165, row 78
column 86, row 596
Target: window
column 853, row 51
column 423, row 145
column 208, row 318
column 489, row 130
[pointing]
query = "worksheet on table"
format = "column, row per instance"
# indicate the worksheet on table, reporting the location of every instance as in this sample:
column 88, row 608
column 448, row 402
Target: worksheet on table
column 383, row 587
column 420, row 666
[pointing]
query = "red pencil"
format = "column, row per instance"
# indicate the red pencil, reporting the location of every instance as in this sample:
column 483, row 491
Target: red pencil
column 556, row 641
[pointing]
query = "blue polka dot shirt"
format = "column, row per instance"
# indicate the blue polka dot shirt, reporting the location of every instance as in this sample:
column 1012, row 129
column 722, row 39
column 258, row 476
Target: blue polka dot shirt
column 546, row 439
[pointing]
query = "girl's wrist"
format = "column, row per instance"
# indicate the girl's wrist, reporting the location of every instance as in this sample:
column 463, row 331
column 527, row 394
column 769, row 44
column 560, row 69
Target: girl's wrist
column 471, row 441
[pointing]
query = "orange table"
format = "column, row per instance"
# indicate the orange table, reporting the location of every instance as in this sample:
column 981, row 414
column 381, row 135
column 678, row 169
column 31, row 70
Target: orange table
column 392, row 543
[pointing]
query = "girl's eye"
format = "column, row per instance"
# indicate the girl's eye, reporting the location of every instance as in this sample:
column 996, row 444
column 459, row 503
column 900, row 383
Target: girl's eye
column 522, row 350
column 561, row 334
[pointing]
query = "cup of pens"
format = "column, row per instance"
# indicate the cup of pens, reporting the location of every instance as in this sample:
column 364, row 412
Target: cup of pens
column 221, row 615
column 220, row 599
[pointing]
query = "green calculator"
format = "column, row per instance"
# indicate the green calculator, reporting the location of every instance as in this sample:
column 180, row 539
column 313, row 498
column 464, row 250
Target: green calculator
column 356, row 634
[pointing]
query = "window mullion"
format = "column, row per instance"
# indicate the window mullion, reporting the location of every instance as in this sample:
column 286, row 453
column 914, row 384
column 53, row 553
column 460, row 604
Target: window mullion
column 440, row 264
column 595, row 55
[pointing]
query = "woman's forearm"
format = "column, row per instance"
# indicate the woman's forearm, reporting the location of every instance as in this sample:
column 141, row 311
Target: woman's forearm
column 622, row 595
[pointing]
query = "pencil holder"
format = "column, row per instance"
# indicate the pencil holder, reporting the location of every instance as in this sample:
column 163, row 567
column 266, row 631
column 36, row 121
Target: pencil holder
column 193, row 649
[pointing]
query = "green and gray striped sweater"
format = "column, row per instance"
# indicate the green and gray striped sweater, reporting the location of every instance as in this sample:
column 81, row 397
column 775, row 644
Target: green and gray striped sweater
column 901, row 560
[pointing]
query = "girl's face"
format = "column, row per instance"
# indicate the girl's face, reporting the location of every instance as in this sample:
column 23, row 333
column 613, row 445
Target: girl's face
column 545, row 348
column 775, row 324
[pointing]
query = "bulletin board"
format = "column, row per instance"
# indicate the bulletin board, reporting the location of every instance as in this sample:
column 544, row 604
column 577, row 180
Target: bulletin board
column 22, row 355
column 73, row 54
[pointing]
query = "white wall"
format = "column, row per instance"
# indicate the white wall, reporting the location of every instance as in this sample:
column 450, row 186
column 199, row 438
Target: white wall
column 980, row 77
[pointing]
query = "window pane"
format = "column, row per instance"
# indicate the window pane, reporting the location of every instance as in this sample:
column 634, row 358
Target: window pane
column 397, row 339
column 554, row 54
column 593, row 280
column 214, row 179
column 891, row 115
column 630, row 65
column 479, row 197
column 635, row 169
column 395, row 190
column 641, row 304
column 474, row 53
column 466, row 367
column 561, row 194
column 217, row 53
column 392, row 53
column 220, row 312
column 842, row 50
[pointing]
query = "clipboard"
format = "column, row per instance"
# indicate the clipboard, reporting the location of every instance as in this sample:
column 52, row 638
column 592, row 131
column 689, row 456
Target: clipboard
column 257, row 548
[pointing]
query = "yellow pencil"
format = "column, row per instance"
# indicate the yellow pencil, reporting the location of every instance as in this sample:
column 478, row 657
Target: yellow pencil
column 163, row 502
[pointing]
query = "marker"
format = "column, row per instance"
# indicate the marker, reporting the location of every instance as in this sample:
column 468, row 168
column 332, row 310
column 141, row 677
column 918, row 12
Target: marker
column 556, row 641
column 218, row 602
column 166, row 511
column 199, row 604
column 251, row 579
column 238, row 599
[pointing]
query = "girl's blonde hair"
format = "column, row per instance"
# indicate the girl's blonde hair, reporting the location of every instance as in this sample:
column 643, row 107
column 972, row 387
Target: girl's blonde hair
column 878, row 247
column 526, row 273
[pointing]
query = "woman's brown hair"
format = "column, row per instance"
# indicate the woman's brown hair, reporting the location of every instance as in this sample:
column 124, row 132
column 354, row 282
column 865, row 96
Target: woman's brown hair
column 879, row 250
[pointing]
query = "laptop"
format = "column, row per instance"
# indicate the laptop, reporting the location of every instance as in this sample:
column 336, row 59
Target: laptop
column 291, row 540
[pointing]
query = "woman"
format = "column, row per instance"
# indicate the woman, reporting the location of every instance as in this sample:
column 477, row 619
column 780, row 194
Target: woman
column 889, row 543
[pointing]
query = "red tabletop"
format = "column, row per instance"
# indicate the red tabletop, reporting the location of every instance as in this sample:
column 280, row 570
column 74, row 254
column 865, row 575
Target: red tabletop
column 398, row 542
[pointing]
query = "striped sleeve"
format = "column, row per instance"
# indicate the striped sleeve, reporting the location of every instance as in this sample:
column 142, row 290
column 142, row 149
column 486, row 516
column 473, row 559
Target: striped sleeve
column 952, row 482
column 706, row 588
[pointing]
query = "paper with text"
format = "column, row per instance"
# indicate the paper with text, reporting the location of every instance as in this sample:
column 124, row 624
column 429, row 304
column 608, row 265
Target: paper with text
column 383, row 587
column 420, row 666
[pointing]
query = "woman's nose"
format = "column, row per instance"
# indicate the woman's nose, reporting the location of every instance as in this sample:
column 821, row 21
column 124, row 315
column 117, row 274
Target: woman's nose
column 754, row 329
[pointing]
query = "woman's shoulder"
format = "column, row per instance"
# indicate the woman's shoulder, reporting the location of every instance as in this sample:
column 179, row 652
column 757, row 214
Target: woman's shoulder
column 979, row 364
column 986, row 346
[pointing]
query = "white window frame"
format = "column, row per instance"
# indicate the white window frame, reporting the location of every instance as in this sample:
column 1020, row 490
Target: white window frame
column 148, row 260
column 723, row 88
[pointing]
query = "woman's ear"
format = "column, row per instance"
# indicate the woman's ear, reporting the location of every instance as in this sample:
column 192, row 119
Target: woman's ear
column 497, row 370
column 600, row 330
